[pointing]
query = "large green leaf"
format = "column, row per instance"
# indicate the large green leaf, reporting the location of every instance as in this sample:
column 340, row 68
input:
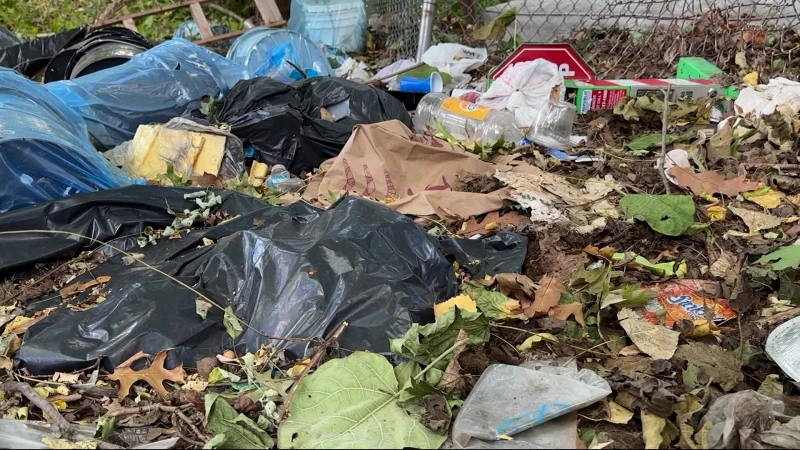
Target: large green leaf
column 232, row 430
column 493, row 304
column 352, row 403
column 425, row 343
column 782, row 258
column 645, row 143
column 668, row 214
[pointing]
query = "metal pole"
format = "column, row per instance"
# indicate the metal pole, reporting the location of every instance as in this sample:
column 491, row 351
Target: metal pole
column 425, row 27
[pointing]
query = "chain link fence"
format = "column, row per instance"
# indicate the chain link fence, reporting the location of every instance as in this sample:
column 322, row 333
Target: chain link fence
column 618, row 38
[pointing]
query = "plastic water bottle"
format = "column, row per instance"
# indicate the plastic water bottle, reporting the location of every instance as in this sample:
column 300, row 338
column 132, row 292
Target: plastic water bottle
column 465, row 120
column 281, row 180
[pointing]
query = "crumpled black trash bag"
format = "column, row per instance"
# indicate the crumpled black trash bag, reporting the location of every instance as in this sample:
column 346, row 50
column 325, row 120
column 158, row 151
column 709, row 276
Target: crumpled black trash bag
column 29, row 57
column 291, row 271
column 285, row 124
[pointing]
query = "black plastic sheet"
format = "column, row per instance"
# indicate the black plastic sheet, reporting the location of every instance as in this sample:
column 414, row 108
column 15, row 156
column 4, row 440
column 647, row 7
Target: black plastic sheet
column 29, row 57
column 291, row 271
column 292, row 124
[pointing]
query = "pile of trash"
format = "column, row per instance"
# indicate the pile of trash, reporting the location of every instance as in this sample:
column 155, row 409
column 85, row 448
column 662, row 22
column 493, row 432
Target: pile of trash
column 279, row 248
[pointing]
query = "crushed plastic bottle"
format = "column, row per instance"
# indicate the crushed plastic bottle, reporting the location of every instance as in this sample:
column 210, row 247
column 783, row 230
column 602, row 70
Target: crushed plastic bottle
column 465, row 120
column 281, row 180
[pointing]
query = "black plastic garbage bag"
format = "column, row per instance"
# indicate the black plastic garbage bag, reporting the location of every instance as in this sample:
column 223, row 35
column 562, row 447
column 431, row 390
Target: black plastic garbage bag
column 291, row 271
column 305, row 123
column 29, row 57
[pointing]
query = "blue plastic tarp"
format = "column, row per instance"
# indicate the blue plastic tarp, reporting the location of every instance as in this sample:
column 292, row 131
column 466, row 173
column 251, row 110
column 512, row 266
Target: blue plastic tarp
column 45, row 151
column 165, row 82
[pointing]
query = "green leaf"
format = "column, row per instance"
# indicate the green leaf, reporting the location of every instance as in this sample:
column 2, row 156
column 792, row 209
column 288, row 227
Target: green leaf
column 667, row 214
column 744, row 353
column 405, row 371
column 239, row 430
column 416, row 389
column 496, row 29
column 782, row 258
column 232, row 325
column 105, row 426
column 352, row 402
column 771, row 387
column 647, row 142
column 218, row 375
column 425, row 343
column 690, row 376
column 493, row 304
column 586, row 435
column 535, row 339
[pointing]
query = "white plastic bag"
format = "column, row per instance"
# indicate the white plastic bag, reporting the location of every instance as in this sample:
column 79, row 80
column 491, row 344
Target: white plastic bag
column 455, row 59
column 523, row 88
column 516, row 401
column 765, row 99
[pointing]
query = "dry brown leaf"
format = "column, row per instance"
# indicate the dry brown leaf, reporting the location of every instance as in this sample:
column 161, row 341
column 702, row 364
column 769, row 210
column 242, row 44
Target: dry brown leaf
column 155, row 375
column 491, row 222
column 711, row 182
column 517, row 285
column 547, row 296
column 562, row 312
column 657, row 341
column 77, row 288
column 605, row 252
column 452, row 382
column 630, row 350
column 756, row 221
column 20, row 324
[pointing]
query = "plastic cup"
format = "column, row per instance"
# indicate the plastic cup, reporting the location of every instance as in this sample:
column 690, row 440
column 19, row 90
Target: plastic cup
column 433, row 83
column 553, row 125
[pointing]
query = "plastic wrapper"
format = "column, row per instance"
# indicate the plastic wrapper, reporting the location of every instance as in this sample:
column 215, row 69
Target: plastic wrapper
column 164, row 82
column 338, row 23
column 515, row 401
column 197, row 150
column 44, row 148
column 783, row 347
column 278, row 54
column 454, row 59
column 292, row 271
column 305, row 123
column 686, row 300
column 734, row 418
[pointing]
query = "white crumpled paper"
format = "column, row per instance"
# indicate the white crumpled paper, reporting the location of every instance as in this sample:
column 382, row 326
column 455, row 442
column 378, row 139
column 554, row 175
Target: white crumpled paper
column 523, row 88
column 766, row 97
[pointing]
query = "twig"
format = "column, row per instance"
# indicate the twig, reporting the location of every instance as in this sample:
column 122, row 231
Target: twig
column 65, row 398
column 37, row 400
column 185, row 438
column 225, row 11
column 110, row 10
column 191, row 425
column 394, row 74
column 148, row 408
column 314, row 360
column 774, row 166
column 662, row 160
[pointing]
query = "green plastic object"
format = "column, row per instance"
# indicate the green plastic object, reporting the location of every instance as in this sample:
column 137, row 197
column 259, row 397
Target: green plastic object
column 696, row 68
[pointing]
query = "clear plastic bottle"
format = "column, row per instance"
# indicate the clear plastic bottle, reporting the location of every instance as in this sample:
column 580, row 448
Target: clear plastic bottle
column 281, row 180
column 465, row 120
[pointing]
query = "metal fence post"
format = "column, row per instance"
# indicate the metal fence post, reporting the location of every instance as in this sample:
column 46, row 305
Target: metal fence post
column 425, row 27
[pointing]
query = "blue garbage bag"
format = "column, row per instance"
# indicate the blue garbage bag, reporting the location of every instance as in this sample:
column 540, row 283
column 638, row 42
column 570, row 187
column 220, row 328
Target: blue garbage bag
column 45, row 151
column 165, row 82
column 268, row 52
